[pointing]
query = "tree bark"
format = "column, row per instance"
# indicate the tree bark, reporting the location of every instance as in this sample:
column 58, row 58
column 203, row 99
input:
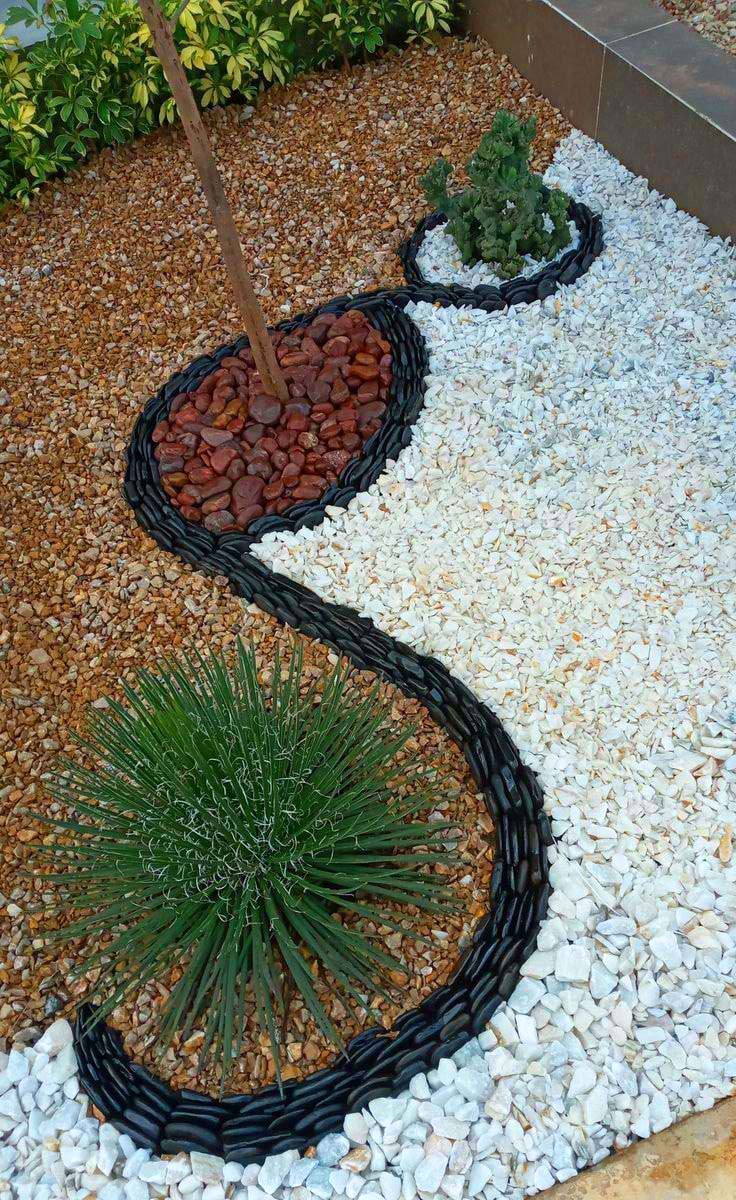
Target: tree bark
column 232, row 253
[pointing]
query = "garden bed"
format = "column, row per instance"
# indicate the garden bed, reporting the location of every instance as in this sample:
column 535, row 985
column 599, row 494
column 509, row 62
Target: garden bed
column 534, row 539
column 109, row 281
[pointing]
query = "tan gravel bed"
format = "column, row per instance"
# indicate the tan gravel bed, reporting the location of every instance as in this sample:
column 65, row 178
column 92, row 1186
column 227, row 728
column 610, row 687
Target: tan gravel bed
column 111, row 281
column 715, row 19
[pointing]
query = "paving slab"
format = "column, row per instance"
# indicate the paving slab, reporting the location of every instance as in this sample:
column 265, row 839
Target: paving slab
column 694, row 1160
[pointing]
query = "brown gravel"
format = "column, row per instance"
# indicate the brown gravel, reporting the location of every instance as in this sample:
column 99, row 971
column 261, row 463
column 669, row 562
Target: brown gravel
column 112, row 280
column 715, row 19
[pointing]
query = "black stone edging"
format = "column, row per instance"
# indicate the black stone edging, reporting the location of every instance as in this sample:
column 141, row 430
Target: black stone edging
column 524, row 288
column 247, row 1128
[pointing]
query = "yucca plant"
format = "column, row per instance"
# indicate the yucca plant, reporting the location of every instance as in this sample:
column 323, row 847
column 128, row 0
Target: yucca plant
column 229, row 829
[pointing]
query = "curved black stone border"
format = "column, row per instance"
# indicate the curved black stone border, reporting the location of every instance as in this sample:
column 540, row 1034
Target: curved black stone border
column 524, row 288
column 247, row 1128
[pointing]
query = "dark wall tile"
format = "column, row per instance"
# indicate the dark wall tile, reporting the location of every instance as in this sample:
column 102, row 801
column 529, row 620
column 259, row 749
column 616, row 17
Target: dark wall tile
column 679, row 59
column 608, row 20
column 659, row 137
column 503, row 23
column 565, row 63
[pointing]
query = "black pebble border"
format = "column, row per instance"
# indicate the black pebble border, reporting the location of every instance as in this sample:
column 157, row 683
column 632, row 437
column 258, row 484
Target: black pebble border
column 248, row 1128
column 524, row 288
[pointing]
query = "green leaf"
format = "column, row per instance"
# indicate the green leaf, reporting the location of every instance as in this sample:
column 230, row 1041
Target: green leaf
column 219, row 826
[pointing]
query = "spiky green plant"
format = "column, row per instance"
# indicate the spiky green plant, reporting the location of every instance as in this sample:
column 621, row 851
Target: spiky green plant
column 506, row 213
column 222, row 827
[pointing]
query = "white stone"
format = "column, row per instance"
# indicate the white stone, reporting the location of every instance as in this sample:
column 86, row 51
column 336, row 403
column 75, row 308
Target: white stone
column 572, row 964
column 386, row 1109
column 595, row 1105
column 356, row 1128
column 53, row 1040
column 583, row 1080
column 526, row 995
column 276, row 1168
column 17, row 1066
column 390, row 1185
column 331, row 1148
column 430, row 1172
column 153, row 1172
column 666, row 948
column 206, row 1168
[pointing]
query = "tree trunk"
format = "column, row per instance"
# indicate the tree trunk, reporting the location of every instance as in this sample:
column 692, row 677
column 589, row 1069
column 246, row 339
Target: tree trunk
column 232, row 253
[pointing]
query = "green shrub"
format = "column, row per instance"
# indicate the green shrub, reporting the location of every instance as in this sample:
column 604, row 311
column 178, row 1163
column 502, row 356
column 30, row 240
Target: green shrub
column 95, row 79
column 506, row 213
column 221, row 829
column 342, row 29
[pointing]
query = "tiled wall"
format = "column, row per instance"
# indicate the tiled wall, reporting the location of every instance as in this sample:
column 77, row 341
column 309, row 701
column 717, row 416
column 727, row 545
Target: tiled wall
column 651, row 89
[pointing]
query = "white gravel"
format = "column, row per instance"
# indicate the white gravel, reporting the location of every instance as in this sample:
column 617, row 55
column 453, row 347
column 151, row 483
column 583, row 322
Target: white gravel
column 439, row 259
column 561, row 534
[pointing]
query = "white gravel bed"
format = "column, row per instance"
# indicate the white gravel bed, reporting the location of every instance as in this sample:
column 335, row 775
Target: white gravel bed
column 439, row 259
column 561, row 534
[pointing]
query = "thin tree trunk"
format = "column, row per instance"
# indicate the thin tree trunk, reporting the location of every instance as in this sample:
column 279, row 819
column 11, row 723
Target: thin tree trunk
column 232, row 253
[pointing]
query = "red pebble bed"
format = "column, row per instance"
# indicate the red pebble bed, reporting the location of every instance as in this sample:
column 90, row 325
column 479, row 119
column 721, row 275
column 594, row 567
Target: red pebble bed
column 229, row 453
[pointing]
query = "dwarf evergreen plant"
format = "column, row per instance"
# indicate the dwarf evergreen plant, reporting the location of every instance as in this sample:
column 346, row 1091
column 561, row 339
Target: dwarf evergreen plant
column 506, row 213
column 227, row 830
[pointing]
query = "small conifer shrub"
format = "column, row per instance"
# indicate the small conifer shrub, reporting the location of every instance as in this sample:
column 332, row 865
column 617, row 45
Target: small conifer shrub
column 507, row 212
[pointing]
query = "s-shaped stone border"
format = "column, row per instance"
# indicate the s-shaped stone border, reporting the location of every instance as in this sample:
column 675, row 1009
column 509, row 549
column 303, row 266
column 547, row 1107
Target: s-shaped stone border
column 248, row 1128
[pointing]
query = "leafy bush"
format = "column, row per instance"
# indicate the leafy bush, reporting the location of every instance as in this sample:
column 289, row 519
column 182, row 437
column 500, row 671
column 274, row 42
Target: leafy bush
column 227, row 831
column 341, row 29
column 506, row 213
column 96, row 81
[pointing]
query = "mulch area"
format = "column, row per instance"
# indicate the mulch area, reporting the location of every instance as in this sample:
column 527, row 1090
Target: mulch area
column 110, row 282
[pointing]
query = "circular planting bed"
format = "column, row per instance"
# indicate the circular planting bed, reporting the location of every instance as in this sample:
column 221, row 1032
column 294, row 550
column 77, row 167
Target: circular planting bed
column 524, row 289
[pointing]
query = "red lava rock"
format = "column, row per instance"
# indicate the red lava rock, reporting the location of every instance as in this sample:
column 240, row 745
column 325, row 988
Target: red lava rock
column 365, row 370
column 201, row 475
column 368, row 390
column 236, row 470
column 368, row 412
column 215, row 487
column 219, row 522
column 170, row 465
column 265, row 409
column 247, row 491
column 339, row 392
column 336, row 346
column 307, row 491
column 318, row 390
column 272, row 491
column 290, row 474
column 215, row 503
column 221, row 459
column 337, row 460
column 246, row 515
column 253, row 434
column 229, row 452
column 216, row 437
column 259, row 467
